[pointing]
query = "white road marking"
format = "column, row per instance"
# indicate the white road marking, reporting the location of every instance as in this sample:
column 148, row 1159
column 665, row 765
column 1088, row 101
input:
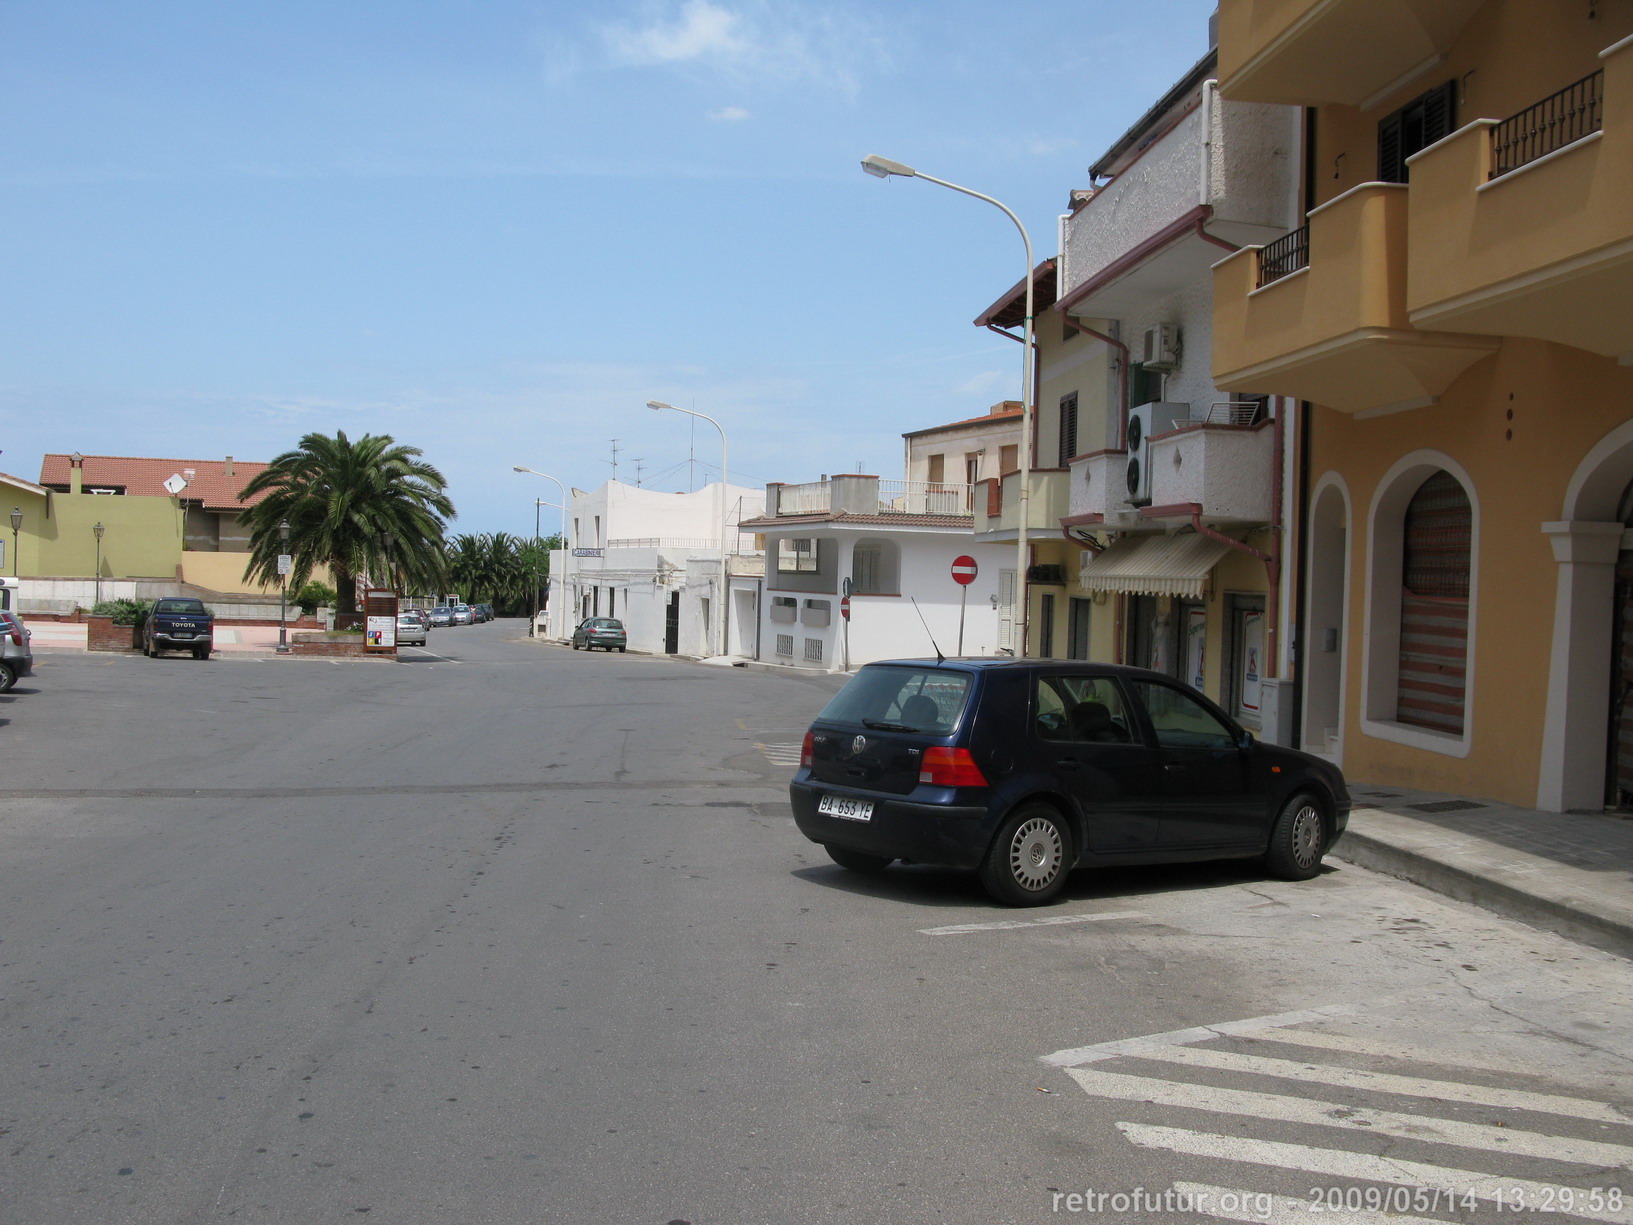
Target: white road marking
column 431, row 654
column 1235, row 1204
column 1393, row 1170
column 1507, row 1140
column 997, row 925
column 781, row 754
column 1384, row 1082
column 1077, row 1055
column 1353, row 1044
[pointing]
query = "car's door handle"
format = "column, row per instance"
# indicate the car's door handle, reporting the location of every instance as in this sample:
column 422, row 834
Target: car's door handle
column 1069, row 763
column 1173, row 767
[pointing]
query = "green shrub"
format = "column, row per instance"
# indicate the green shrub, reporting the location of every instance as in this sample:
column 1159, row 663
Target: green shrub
column 314, row 595
column 123, row 611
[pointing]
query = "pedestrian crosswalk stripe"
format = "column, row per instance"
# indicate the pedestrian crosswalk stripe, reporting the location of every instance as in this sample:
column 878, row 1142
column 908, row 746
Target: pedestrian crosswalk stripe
column 1201, row 1033
column 781, row 754
column 1508, row 1140
column 1356, row 1045
column 1235, row 1204
column 1385, row 1082
column 1393, row 1170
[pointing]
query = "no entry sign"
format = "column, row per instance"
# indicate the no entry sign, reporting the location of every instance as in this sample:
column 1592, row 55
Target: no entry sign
column 964, row 570
column 845, row 607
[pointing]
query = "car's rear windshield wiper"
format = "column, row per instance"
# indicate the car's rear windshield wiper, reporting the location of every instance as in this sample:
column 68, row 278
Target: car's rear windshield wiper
column 879, row 725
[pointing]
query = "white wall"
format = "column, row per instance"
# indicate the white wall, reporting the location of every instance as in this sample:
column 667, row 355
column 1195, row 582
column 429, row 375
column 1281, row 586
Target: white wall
column 888, row 626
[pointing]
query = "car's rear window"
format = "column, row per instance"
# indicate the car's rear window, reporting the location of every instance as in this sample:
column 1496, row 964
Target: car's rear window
column 179, row 606
column 605, row 624
column 919, row 699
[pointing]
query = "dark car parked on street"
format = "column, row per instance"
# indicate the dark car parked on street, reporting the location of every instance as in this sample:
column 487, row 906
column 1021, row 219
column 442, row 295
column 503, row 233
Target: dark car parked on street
column 178, row 623
column 1025, row 769
column 604, row 632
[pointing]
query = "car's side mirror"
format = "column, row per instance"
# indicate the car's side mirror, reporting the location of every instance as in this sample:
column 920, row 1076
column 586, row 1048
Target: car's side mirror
column 1245, row 740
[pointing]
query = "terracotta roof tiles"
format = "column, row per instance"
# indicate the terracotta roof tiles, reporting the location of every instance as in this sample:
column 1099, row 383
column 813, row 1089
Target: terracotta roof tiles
column 211, row 483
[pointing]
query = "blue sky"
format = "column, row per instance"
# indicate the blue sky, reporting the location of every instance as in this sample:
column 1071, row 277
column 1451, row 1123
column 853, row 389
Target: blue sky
column 495, row 230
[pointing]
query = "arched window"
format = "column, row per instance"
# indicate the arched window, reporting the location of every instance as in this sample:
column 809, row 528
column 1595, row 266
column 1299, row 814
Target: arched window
column 1434, row 626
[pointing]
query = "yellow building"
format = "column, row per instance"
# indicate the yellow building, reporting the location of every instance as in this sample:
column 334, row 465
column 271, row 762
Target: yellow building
column 125, row 517
column 1456, row 315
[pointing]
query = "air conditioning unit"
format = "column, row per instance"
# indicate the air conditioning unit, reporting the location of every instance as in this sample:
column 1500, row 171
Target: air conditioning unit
column 1046, row 575
column 1157, row 417
column 1161, row 347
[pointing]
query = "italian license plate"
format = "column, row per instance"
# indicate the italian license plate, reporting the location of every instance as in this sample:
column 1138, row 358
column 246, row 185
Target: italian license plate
column 850, row 810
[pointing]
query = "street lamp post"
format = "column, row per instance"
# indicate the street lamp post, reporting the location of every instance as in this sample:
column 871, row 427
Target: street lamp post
column 96, row 530
column 720, row 614
column 16, row 526
column 882, row 168
column 561, row 582
column 283, row 587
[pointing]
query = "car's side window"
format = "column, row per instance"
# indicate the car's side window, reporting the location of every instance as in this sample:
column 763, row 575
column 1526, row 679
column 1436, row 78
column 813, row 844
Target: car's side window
column 1179, row 721
column 1081, row 710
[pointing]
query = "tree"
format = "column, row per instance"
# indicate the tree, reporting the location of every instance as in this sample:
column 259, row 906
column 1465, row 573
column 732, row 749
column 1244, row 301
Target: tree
column 370, row 507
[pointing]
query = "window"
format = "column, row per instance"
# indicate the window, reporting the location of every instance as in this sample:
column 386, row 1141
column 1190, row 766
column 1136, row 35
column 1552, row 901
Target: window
column 1009, row 459
column 938, row 469
column 1180, row 721
column 796, row 556
column 928, row 700
column 1068, row 427
column 1417, row 125
column 1081, row 710
column 873, row 568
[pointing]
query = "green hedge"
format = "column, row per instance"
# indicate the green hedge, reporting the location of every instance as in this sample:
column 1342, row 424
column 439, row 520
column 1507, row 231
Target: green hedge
column 123, row 611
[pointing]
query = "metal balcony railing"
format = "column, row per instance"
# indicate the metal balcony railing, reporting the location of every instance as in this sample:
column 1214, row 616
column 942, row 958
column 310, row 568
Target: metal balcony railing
column 1287, row 254
column 924, row 498
column 1574, row 112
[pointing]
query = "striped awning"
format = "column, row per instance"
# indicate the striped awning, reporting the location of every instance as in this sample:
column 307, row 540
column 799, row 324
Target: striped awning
column 1155, row 565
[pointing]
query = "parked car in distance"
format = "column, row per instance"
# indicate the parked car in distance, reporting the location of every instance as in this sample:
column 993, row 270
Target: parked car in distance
column 1023, row 769
column 178, row 623
column 16, row 651
column 411, row 632
column 442, row 614
column 604, row 632
column 487, row 611
column 463, row 615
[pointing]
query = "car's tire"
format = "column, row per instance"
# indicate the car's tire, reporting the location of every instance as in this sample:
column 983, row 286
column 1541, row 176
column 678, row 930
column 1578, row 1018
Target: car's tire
column 622, row 651
column 1030, row 858
column 857, row 861
column 1297, row 839
column 201, row 652
column 8, row 678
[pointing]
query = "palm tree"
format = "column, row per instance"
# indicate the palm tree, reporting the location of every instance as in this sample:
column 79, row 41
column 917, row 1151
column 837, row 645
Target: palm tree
column 370, row 507
column 493, row 569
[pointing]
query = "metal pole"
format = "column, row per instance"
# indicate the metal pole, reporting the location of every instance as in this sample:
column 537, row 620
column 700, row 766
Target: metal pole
column 533, row 623
column 963, row 599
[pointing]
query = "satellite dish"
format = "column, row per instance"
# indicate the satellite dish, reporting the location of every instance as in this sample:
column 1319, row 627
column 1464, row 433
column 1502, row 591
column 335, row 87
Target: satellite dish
column 175, row 484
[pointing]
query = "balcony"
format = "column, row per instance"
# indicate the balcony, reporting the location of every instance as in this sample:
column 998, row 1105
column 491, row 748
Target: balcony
column 1138, row 238
column 1223, row 460
column 1523, row 227
column 1324, row 318
column 997, row 516
column 1315, row 52
column 868, row 495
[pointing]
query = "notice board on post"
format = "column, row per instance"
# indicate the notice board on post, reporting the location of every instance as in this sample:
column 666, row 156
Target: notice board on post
column 380, row 622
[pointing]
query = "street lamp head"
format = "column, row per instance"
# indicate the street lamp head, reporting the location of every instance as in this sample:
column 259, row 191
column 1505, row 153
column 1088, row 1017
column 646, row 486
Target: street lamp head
column 16, row 518
column 519, row 468
column 659, row 404
column 283, row 530
column 883, row 167
column 98, row 529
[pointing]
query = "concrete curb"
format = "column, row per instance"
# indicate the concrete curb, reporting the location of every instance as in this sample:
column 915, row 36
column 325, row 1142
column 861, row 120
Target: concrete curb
column 1575, row 918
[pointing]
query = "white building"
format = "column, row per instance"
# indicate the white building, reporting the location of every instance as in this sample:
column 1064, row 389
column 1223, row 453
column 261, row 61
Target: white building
column 652, row 560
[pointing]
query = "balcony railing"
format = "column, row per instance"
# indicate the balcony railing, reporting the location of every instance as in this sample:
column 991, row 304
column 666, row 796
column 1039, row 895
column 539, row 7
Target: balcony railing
column 811, row 498
column 1574, row 112
column 923, row 498
column 1286, row 255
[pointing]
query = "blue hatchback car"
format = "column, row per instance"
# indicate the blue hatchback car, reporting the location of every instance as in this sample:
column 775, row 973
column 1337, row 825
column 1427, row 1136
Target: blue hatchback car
column 1024, row 769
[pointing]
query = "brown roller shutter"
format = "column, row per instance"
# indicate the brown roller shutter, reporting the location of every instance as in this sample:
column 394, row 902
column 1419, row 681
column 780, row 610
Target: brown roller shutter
column 1435, row 606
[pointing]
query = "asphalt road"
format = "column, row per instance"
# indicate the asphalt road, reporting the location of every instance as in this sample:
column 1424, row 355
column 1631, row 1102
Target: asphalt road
column 509, row 934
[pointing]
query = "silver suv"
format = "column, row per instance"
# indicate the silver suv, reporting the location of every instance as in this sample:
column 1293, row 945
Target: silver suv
column 16, row 656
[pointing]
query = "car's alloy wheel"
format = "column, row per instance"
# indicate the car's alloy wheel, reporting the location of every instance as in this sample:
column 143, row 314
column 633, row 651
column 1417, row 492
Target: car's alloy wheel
column 1030, row 857
column 8, row 678
column 1296, row 839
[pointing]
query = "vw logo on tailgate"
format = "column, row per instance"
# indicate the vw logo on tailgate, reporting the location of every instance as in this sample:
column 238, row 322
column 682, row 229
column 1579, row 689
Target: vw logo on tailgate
column 857, row 745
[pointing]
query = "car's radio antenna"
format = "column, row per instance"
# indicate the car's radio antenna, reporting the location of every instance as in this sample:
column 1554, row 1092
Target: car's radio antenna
column 940, row 658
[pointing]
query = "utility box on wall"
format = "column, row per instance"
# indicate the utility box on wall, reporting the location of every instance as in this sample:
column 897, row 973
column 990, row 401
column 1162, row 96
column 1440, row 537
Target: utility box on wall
column 1276, row 711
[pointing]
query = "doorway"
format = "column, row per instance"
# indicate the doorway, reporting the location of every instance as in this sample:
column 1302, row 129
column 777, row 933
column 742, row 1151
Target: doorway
column 1619, row 780
column 671, row 625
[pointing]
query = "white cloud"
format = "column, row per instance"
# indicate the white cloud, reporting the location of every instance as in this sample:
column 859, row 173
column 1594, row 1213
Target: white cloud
column 729, row 114
column 984, row 384
column 748, row 40
column 702, row 29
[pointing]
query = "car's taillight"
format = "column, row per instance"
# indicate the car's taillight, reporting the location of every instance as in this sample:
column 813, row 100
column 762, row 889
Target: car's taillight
column 17, row 635
column 944, row 767
column 807, row 751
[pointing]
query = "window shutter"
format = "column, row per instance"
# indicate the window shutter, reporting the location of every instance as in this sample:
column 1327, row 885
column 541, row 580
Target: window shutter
column 1438, row 109
column 1391, row 163
column 1068, row 427
column 1435, row 606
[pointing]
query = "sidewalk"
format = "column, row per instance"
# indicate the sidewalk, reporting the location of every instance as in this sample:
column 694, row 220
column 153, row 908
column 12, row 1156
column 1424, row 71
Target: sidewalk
column 1570, row 873
column 48, row 637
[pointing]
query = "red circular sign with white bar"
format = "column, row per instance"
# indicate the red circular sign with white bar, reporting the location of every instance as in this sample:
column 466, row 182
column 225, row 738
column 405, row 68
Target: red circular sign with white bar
column 964, row 570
